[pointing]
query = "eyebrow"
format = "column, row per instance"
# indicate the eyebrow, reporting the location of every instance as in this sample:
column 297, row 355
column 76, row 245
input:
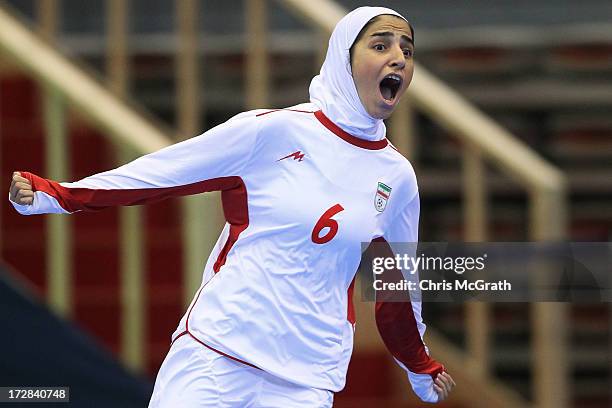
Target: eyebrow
column 390, row 34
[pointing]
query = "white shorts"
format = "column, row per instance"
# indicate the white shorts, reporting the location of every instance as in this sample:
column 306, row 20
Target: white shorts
column 192, row 375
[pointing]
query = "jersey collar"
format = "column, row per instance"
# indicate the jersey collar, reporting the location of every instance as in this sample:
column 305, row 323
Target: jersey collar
column 347, row 137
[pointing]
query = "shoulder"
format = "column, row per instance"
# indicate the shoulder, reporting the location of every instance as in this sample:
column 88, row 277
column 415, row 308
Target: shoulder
column 402, row 175
column 272, row 124
column 402, row 166
column 263, row 121
column 287, row 115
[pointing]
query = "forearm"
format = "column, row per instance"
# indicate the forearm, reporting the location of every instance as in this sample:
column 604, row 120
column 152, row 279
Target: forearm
column 209, row 162
column 397, row 324
column 398, row 315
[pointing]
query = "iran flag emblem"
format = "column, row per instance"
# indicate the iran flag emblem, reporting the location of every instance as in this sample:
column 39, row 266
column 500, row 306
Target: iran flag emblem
column 382, row 196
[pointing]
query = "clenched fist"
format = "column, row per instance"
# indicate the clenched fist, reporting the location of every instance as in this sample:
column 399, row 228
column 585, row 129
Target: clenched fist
column 444, row 383
column 21, row 190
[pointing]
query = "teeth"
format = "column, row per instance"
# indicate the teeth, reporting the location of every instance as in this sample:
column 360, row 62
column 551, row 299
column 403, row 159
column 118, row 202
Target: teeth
column 394, row 77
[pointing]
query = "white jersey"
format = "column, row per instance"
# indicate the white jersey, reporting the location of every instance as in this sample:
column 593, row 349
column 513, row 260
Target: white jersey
column 299, row 195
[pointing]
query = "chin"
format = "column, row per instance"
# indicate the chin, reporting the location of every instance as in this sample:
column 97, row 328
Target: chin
column 387, row 115
column 383, row 113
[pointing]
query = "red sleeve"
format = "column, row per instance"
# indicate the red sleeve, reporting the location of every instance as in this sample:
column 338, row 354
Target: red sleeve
column 73, row 199
column 398, row 327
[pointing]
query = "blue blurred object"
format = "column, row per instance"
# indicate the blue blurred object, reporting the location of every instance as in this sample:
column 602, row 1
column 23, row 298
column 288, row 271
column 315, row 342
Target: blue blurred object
column 39, row 349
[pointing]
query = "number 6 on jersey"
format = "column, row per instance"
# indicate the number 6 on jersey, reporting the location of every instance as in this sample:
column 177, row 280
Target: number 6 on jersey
column 326, row 221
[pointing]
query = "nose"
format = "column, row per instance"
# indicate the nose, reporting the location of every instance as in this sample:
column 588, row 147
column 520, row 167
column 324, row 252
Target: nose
column 397, row 58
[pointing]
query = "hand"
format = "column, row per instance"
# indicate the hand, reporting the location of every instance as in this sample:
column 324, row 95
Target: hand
column 21, row 190
column 443, row 385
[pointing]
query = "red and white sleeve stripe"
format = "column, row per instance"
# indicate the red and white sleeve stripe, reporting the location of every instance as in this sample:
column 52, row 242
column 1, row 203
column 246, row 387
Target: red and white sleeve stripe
column 212, row 161
column 399, row 322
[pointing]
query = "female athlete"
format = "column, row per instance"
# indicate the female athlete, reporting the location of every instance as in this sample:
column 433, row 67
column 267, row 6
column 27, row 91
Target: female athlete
column 272, row 323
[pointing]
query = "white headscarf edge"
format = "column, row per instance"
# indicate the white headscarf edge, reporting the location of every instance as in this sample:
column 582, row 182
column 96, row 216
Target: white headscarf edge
column 333, row 90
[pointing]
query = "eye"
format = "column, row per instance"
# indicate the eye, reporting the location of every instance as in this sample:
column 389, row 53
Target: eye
column 408, row 53
column 379, row 47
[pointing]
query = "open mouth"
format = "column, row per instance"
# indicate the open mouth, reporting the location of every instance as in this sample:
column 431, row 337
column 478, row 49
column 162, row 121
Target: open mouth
column 389, row 86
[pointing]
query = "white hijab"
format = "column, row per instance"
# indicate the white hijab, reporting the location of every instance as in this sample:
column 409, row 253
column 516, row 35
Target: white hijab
column 334, row 91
